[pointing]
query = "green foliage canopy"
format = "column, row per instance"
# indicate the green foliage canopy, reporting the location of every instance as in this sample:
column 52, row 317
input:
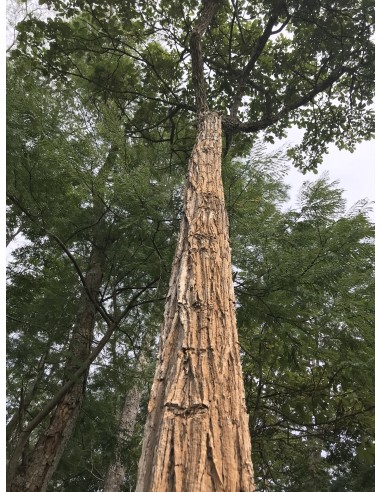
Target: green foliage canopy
column 268, row 65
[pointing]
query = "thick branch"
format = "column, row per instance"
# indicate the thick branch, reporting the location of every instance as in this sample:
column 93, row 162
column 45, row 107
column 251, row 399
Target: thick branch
column 232, row 125
column 256, row 53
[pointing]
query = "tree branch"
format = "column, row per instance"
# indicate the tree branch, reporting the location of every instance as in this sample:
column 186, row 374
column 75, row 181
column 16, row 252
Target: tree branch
column 233, row 125
column 256, row 53
column 97, row 305
column 17, row 418
column 199, row 29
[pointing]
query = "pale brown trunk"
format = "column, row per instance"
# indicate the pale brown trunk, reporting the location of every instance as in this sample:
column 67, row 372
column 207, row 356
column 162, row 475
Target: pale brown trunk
column 115, row 477
column 116, row 473
column 196, row 436
column 34, row 475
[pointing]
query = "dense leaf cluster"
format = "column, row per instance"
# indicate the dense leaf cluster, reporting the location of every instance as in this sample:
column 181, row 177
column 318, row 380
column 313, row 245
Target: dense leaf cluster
column 268, row 65
column 305, row 291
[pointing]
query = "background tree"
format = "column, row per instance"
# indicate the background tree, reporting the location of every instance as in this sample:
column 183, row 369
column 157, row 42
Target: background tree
column 305, row 290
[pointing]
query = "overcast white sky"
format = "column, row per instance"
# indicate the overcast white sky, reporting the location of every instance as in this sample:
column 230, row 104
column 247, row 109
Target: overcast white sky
column 354, row 171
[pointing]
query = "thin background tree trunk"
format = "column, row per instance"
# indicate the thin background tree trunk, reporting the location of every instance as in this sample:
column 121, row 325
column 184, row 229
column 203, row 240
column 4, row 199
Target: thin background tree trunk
column 116, row 473
column 196, row 436
column 34, row 475
column 34, row 472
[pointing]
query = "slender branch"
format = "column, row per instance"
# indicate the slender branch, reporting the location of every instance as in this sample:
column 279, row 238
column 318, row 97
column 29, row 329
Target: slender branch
column 16, row 420
column 256, row 53
column 97, row 305
column 13, row 236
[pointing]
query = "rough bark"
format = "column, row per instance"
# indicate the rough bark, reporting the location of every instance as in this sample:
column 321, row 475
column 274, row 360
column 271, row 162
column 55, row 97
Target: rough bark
column 196, row 436
column 116, row 473
column 34, row 475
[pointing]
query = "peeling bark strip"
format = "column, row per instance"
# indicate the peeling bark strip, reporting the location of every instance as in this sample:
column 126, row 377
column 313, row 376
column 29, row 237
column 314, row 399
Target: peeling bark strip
column 196, row 436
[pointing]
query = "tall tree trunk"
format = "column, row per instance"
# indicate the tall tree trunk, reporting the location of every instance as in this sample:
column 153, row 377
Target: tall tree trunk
column 34, row 475
column 35, row 471
column 116, row 473
column 197, row 436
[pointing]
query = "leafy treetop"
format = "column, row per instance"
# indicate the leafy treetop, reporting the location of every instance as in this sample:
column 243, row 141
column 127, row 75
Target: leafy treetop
column 265, row 66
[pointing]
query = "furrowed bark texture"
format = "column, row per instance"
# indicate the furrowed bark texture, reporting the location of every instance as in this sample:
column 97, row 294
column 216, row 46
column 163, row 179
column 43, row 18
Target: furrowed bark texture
column 34, row 475
column 196, row 436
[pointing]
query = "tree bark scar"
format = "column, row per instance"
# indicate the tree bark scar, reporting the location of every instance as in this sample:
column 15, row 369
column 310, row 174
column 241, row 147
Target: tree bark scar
column 197, row 436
